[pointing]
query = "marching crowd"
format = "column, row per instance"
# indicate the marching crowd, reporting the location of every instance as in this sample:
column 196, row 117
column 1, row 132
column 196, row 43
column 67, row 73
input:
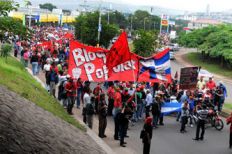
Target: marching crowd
column 126, row 102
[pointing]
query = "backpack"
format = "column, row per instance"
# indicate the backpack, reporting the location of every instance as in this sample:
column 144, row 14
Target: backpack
column 89, row 109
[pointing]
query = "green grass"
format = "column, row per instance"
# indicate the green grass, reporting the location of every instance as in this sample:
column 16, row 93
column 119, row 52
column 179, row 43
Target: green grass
column 228, row 106
column 215, row 68
column 17, row 79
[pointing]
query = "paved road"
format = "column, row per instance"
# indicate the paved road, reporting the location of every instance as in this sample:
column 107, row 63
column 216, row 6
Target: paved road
column 177, row 64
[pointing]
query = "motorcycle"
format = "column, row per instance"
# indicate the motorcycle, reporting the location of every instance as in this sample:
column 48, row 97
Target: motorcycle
column 215, row 120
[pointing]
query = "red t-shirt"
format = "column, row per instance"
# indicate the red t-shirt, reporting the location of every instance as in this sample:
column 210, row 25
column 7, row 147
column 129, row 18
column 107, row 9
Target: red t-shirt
column 71, row 86
column 117, row 100
column 211, row 85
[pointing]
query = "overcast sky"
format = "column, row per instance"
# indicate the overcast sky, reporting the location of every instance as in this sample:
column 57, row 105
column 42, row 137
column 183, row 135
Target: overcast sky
column 192, row 5
column 187, row 5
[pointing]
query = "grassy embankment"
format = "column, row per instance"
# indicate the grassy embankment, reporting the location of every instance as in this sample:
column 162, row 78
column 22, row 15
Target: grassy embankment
column 213, row 67
column 195, row 58
column 16, row 78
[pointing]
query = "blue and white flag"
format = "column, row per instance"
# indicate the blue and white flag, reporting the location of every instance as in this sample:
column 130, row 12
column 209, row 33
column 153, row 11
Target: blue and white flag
column 157, row 67
column 168, row 108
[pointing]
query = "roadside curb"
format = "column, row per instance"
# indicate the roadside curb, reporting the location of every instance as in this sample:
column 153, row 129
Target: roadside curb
column 105, row 147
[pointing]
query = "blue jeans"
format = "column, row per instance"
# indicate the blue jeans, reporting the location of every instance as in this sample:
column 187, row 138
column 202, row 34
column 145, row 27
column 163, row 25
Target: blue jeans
column 139, row 111
column 78, row 102
column 38, row 68
column 34, row 67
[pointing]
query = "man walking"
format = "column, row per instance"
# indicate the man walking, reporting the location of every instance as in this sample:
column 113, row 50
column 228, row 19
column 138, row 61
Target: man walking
column 202, row 116
column 71, row 89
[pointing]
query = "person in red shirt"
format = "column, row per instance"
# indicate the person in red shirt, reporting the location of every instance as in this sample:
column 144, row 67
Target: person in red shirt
column 229, row 121
column 71, row 88
column 117, row 99
column 210, row 84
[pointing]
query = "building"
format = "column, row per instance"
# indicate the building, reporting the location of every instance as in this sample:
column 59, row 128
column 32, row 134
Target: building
column 201, row 23
column 37, row 14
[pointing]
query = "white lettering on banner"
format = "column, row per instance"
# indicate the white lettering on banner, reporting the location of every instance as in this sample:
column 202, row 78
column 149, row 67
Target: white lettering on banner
column 99, row 73
column 89, row 69
column 128, row 65
column 78, row 58
column 86, row 56
column 105, row 70
column 83, row 57
column 102, row 55
column 76, row 73
column 92, row 56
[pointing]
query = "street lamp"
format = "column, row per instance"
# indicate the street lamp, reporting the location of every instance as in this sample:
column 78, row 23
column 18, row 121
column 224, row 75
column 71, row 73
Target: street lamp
column 99, row 25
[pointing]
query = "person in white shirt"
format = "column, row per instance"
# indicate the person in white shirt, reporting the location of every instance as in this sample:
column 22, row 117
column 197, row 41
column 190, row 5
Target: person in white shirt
column 46, row 69
column 86, row 100
column 149, row 101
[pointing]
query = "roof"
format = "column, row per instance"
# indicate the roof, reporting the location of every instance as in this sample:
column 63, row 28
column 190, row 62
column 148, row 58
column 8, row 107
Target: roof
column 207, row 21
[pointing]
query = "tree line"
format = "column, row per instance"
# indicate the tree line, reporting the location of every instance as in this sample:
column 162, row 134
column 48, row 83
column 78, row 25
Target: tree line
column 214, row 42
column 142, row 27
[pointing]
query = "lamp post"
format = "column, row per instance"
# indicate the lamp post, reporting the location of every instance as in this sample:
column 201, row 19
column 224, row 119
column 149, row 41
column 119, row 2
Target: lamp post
column 99, row 26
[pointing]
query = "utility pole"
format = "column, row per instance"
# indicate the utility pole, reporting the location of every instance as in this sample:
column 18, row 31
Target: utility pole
column 99, row 26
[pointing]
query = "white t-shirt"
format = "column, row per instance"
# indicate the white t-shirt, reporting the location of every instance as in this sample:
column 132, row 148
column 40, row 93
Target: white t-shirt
column 47, row 67
column 86, row 99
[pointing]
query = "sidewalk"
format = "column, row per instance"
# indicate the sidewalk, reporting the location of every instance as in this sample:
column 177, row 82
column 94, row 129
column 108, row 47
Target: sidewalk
column 110, row 145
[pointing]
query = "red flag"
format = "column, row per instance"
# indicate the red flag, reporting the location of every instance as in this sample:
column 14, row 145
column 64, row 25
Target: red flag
column 119, row 53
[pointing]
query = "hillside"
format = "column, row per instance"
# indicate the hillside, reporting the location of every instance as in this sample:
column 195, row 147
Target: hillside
column 26, row 128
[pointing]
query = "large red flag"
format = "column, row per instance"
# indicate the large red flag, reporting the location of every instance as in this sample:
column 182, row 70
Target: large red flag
column 119, row 53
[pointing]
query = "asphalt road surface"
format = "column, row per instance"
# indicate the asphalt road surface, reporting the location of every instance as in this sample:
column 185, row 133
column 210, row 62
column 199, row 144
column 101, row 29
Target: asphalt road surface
column 167, row 139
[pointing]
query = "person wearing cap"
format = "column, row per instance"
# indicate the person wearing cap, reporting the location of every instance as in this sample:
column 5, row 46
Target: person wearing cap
column 146, row 138
column 202, row 117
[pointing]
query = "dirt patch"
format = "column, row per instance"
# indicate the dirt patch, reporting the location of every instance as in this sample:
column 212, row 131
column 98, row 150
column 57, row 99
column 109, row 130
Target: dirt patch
column 26, row 128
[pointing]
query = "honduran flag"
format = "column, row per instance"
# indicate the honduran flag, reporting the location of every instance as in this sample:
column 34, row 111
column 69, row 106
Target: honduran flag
column 156, row 68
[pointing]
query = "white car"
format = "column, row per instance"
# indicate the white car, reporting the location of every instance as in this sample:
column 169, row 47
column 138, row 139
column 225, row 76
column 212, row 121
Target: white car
column 205, row 74
column 171, row 55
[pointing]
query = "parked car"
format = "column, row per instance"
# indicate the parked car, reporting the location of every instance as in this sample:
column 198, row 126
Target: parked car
column 172, row 57
column 173, row 46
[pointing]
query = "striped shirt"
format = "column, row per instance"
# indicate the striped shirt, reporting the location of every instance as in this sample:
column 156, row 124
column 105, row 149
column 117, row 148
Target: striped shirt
column 202, row 114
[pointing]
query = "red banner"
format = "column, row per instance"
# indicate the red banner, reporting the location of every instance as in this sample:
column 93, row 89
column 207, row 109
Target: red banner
column 89, row 63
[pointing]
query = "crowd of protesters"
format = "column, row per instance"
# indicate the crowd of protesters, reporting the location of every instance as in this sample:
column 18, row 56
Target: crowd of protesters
column 126, row 102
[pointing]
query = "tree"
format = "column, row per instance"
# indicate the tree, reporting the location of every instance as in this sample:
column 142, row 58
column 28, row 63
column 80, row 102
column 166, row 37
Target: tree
column 144, row 20
column 86, row 29
column 6, row 6
column 116, row 18
column 13, row 26
column 48, row 6
column 28, row 3
column 5, row 50
column 145, row 44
